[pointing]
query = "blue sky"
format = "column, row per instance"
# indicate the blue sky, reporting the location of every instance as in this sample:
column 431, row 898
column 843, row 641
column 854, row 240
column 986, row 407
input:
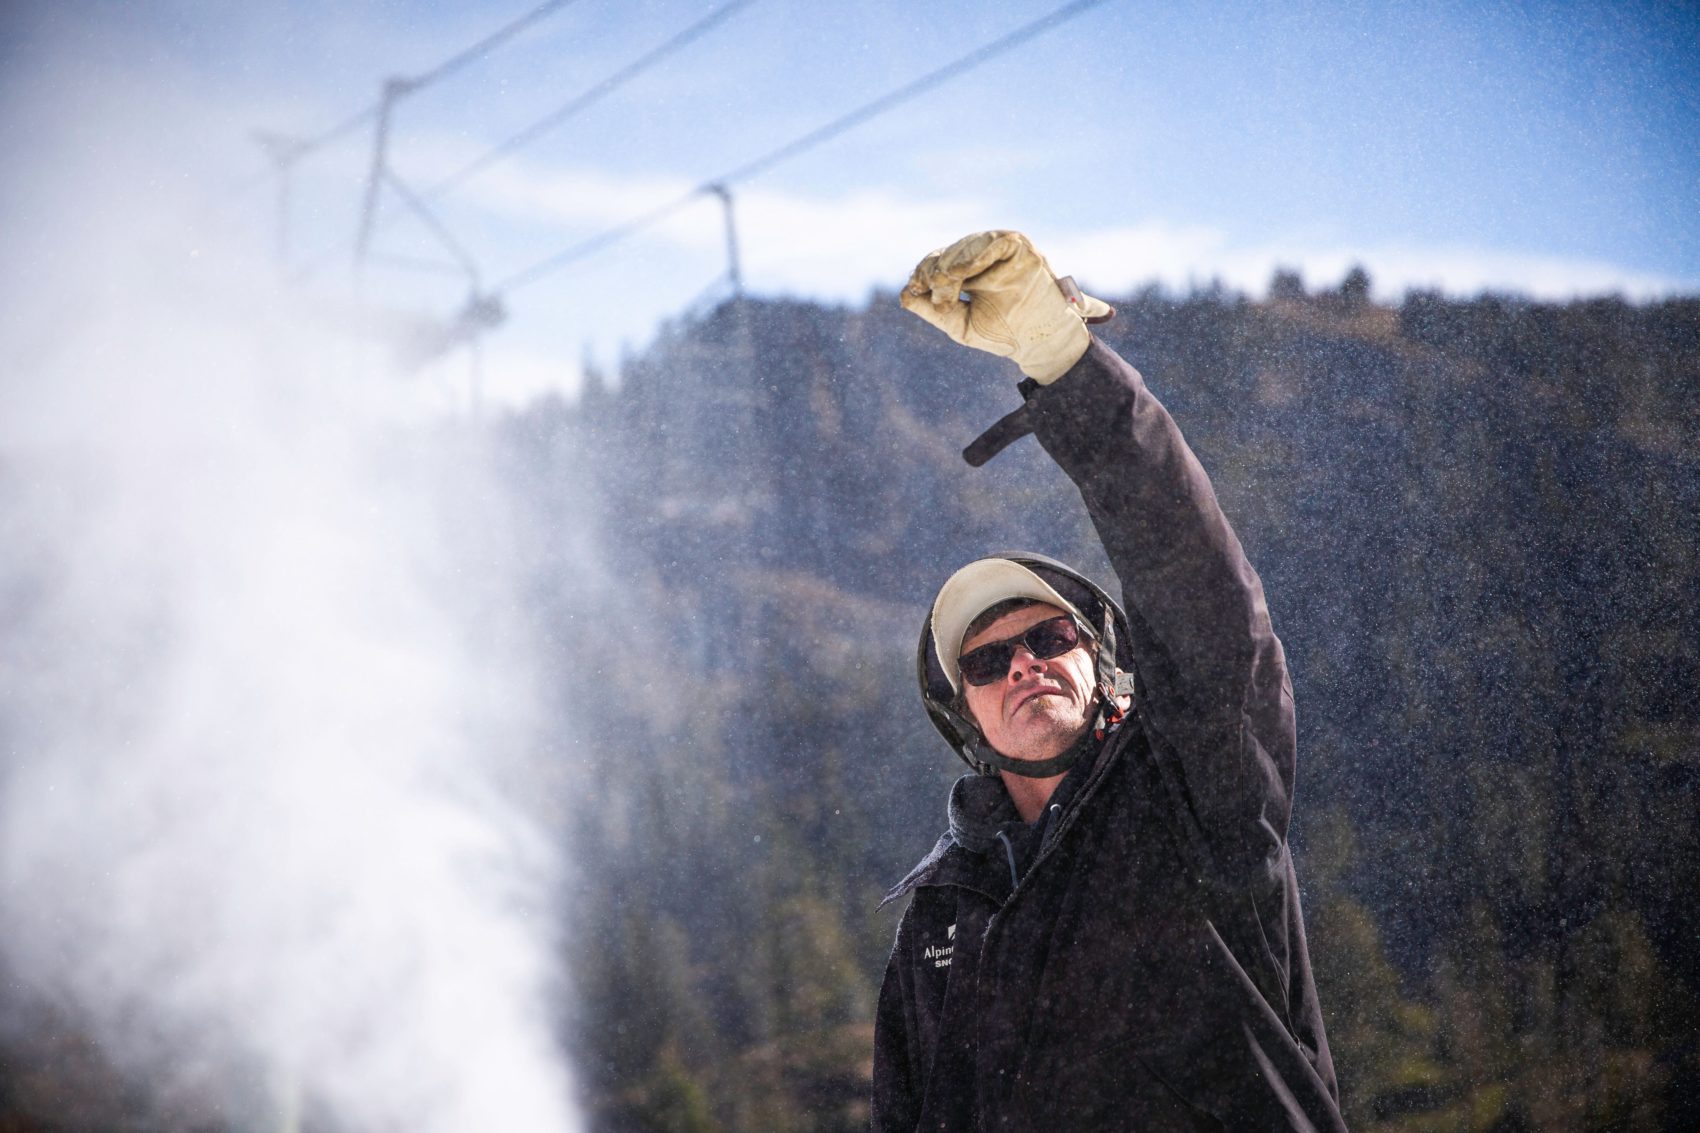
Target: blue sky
column 1548, row 149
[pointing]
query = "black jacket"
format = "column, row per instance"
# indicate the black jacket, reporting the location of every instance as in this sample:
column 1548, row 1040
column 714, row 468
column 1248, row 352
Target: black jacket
column 1138, row 960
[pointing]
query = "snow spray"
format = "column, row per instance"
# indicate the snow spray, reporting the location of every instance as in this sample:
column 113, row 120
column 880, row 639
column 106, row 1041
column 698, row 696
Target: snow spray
column 266, row 703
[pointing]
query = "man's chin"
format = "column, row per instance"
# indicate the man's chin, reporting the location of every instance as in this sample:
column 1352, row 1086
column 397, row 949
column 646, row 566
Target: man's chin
column 1046, row 738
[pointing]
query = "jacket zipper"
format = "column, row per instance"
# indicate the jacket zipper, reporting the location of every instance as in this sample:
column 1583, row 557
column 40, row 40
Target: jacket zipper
column 1053, row 833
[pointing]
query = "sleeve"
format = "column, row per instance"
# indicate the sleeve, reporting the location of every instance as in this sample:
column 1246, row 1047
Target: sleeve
column 896, row 1104
column 1214, row 691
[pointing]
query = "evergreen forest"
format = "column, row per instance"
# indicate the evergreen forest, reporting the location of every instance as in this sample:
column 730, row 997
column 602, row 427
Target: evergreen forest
column 1478, row 524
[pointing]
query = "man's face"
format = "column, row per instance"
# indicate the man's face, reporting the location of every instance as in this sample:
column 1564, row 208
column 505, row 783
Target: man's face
column 1040, row 707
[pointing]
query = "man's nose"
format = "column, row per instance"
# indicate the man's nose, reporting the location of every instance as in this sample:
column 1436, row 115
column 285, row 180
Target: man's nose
column 1018, row 666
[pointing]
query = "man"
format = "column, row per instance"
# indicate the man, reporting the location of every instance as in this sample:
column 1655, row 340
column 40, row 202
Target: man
column 1108, row 937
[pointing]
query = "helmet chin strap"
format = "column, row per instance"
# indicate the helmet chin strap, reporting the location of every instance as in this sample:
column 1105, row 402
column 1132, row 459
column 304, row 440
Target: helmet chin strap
column 1109, row 716
column 1039, row 768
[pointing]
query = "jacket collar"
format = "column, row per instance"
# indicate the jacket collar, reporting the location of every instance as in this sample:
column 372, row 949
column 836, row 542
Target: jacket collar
column 979, row 807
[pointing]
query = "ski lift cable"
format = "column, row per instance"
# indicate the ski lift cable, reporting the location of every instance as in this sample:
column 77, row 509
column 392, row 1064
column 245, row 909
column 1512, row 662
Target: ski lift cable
column 488, row 43
column 583, row 100
column 396, row 88
column 430, row 220
column 294, row 150
column 954, row 69
column 578, row 103
column 595, row 244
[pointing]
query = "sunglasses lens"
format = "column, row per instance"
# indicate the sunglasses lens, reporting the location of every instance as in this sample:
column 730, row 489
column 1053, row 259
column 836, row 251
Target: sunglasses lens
column 1048, row 639
column 986, row 664
column 1052, row 638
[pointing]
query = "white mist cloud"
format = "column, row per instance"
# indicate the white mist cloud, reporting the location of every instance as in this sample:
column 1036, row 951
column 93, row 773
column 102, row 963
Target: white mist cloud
column 267, row 819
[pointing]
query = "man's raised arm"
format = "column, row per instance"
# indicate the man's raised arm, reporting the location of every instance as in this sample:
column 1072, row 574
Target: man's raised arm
column 1213, row 683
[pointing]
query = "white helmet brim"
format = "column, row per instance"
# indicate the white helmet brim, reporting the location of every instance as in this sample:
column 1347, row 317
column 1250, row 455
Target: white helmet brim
column 972, row 591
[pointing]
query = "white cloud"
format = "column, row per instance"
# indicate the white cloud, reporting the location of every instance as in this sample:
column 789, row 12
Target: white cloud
column 1180, row 256
column 827, row 246
column 837, row 247
column 572, row 197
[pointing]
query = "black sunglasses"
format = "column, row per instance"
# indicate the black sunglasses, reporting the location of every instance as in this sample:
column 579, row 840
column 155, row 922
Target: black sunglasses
column 1050, row 638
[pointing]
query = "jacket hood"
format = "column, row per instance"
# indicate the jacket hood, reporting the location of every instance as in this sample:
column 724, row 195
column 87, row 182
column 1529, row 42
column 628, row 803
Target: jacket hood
column 979, row 808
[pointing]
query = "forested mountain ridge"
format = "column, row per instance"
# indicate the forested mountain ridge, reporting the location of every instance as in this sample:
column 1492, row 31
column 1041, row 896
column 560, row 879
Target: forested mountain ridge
column 1476, row 523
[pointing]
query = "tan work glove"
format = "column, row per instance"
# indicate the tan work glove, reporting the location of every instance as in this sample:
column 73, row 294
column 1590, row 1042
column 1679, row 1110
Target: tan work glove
column 1016, row 308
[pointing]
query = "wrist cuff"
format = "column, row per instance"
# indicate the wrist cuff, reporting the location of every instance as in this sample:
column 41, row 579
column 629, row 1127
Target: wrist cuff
column 1056, row 356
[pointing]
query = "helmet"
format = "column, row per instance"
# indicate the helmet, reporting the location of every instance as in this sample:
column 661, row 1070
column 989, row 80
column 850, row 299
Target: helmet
column 976, row 588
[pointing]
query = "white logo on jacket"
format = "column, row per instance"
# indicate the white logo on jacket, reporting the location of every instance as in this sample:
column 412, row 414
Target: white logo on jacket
column 941, row 956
